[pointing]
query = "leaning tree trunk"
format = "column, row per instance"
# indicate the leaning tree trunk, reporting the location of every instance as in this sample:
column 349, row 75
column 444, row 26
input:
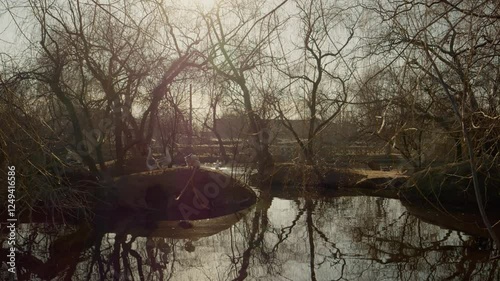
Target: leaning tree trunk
column 222, row 148
column 470, row 152
column 77, row 129
column 119, row 149
column 263, row 156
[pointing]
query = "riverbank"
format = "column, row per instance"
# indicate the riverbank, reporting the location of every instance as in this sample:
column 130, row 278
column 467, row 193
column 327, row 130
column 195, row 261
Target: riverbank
column 179, row 194
column 448, row 186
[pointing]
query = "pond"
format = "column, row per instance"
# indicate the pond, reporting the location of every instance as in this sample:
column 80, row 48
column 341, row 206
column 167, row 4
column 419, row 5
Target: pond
column 282, row 237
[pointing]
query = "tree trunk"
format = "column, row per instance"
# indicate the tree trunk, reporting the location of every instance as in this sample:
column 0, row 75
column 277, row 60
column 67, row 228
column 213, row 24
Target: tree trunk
column 458, row 149
column 120, row 152
column 264, row 157
column 222, row 148
column 79, row 140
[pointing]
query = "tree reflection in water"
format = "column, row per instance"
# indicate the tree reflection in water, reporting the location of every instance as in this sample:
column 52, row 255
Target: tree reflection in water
column 306, row 237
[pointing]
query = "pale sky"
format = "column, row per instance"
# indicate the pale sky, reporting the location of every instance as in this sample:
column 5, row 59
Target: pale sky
column 15, row 32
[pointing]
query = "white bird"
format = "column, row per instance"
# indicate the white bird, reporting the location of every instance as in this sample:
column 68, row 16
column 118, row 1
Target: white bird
column 151, row 163
column 218, row 164
column 192, row 161
column 165, row 160
column 154, row 164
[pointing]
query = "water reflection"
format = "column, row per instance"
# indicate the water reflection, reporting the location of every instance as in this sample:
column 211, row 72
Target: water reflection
column 299, row 238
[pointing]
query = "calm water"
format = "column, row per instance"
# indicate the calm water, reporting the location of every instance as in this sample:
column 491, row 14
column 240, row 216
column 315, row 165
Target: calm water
column 298, row 238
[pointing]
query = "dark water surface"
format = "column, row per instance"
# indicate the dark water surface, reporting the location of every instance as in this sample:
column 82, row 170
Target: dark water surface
column 297, row 238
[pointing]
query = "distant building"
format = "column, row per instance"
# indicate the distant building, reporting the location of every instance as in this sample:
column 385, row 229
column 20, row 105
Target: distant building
column 236, row 128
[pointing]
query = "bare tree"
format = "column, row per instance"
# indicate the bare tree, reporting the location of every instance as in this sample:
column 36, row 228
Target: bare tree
column 408, row 113
column 118, row 51
column 317, row 79
column 455, row 43
column 215, row 96
column 238, row 34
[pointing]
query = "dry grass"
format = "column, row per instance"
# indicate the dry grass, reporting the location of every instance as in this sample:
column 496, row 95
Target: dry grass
column 369, row 174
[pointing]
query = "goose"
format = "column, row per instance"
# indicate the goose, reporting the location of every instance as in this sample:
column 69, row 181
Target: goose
column 151, row 163
column 218, row 164
column 165, row 160
column 192, row 161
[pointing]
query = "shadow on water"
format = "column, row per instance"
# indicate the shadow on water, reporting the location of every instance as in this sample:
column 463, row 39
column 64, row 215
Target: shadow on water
column 283, row 237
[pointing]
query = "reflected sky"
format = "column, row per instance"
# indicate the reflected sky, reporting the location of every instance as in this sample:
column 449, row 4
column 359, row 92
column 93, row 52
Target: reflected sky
column 298, row 238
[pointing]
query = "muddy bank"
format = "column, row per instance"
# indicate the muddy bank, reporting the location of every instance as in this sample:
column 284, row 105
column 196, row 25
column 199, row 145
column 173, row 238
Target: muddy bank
column 451, row 186
column 340, row 179
column 448, row 187
column 171, row 194
column 467, row 222
column 178, row 194
column 298, row 175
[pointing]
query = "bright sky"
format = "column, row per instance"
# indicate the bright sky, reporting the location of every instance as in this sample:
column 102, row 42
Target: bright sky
column 15, row 31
